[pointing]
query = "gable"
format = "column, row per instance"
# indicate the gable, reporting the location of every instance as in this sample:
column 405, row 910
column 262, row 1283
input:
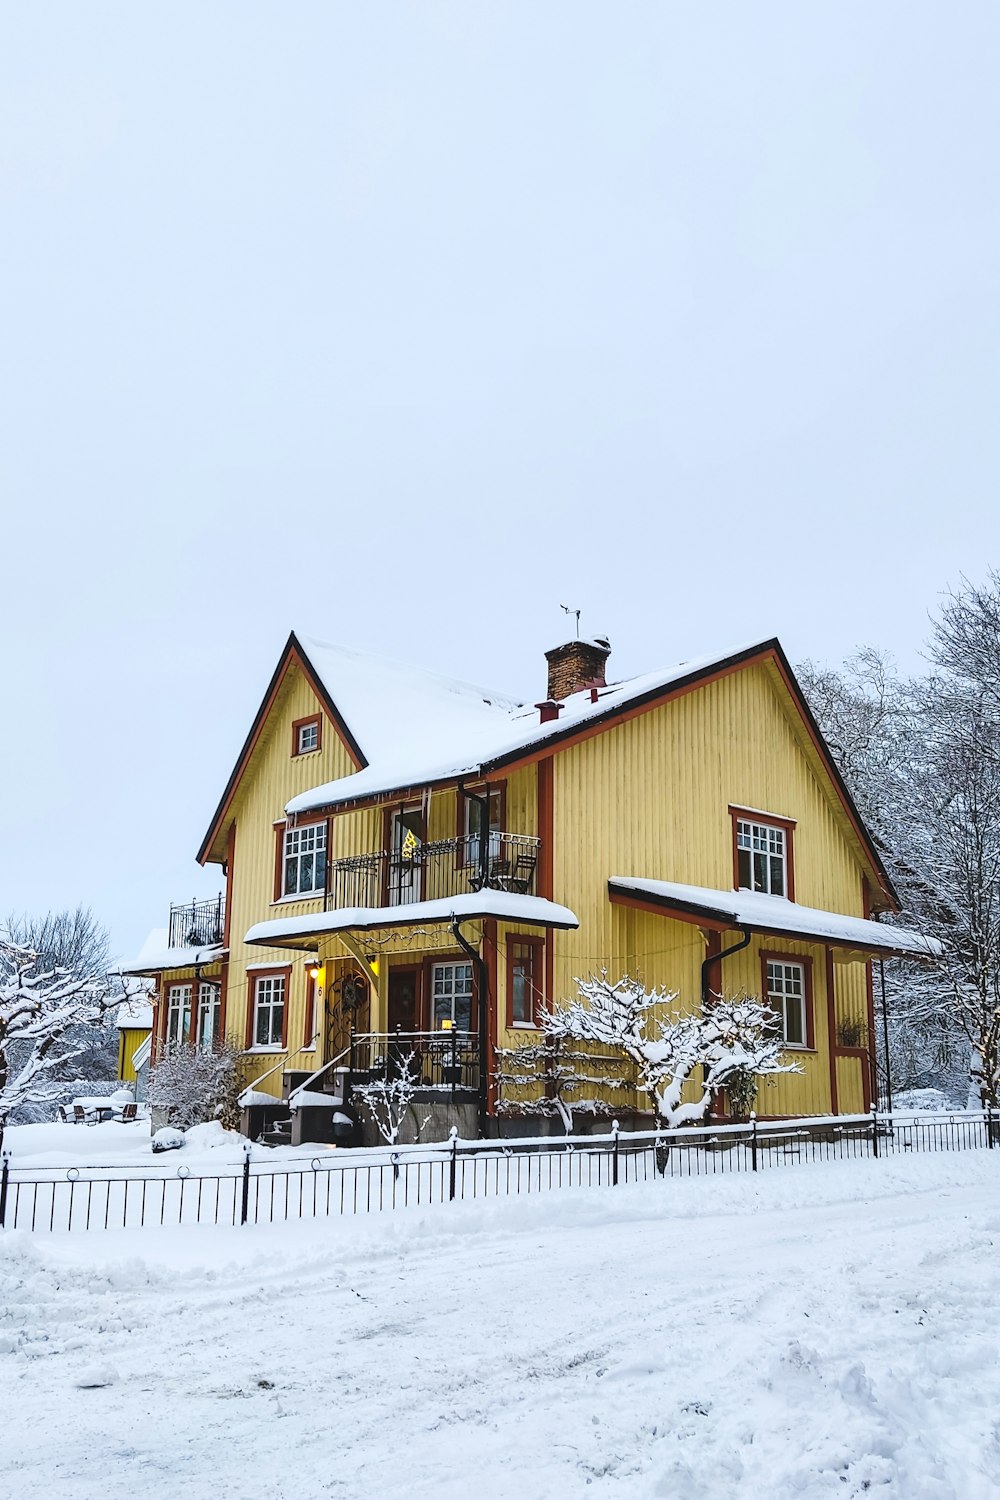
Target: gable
column 294, row 692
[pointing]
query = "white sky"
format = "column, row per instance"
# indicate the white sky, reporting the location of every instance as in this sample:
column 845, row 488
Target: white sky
column 405, row 324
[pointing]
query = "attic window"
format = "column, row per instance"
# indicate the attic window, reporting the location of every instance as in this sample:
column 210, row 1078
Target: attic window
column 762, row 853
column 306, row 735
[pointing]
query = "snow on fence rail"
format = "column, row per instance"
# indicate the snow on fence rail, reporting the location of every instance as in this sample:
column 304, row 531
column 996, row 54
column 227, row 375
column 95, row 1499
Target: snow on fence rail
column 352, row 1182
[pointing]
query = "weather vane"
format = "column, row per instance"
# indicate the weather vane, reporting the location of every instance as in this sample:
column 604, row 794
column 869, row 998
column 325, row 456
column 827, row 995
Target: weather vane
column 566, row 610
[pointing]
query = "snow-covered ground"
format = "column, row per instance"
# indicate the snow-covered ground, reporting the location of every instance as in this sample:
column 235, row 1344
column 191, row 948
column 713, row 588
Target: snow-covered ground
column 826, row 1331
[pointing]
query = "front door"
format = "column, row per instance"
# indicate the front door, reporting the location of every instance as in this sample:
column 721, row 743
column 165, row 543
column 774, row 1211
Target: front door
column 405, row 864
column 404, row 995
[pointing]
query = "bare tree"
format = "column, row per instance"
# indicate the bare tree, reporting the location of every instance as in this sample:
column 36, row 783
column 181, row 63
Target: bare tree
column 74, row 941
column 386, row 1100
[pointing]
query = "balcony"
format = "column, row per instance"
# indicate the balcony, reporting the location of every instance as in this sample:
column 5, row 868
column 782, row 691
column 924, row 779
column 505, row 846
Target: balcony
column 431, row 872
column 197, row 924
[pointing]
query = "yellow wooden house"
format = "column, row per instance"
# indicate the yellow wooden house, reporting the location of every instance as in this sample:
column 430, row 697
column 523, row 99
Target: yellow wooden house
column 413, row 860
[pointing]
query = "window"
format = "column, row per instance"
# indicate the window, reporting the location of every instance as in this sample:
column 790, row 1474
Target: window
column 305, row 860
column 451, row 995
column 473, row 825
column 524, row 980
column 179, row 1014
column 269, row 1010
column 209, row 1015
column 787, row 992
column 761, row 857
column 306, row 735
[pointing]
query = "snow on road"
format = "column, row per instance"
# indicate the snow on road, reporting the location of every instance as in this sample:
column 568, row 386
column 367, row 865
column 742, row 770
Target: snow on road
column 826, row 1331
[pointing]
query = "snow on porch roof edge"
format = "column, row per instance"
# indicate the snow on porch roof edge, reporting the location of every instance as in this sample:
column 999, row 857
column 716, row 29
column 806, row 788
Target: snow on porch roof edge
column 775, row 915
column 505, row 906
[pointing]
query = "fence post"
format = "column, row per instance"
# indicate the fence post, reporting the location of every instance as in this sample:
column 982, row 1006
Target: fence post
column 753, row 1139
column 245, row 1206
column 989, row 1142
column 614, row 1153
column 4, row 1179
column 452, row 1165
column 875, row 1130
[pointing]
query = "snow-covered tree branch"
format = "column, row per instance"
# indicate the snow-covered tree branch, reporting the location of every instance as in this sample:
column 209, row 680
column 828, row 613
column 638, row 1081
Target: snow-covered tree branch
column 736, row 1039
column 40, row 1009
column 386, row 1100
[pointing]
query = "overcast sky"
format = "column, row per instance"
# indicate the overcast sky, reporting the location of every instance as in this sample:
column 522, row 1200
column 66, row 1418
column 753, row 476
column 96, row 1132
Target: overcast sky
column 405, row 324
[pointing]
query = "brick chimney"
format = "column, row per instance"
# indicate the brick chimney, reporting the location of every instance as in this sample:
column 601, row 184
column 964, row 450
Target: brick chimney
column 575, row 666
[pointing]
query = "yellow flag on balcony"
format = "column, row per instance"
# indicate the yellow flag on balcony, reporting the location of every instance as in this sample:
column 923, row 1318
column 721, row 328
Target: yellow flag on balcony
column 410, row 845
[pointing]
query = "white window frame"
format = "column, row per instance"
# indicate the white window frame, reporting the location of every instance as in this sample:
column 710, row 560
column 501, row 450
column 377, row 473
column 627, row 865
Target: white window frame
column 313, row 837
column 179, row 1000
column 786, row 988
column 769, row 842
column 209, row 1004
column 310, row 727
column 444, row 987
column 270, row 996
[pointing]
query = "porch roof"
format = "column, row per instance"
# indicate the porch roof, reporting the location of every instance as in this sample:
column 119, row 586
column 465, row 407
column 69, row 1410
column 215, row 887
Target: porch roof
column 504, row 906
column 166, row 959
column 774, row 915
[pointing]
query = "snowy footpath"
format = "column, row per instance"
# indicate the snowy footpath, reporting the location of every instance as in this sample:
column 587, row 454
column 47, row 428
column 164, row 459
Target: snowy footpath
column 829, row 1331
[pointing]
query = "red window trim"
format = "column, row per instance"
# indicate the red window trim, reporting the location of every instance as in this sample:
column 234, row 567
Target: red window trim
column 804, row 961
column 425, row 1001
column 310, row 1013
column 765, row 820
column 297, row 724
column 536, row 945
column 279, row 854
column 285, row 971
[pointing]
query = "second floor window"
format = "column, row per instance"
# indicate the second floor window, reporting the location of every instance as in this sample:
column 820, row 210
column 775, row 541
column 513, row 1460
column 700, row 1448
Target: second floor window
column 761, row 857
column 305, row 860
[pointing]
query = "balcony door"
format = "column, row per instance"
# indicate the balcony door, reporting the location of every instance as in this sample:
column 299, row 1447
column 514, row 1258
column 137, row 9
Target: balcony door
column 405, row 863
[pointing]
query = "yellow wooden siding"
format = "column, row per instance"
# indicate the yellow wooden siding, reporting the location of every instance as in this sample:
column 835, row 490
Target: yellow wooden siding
column 272, row 778
column 129, row 1041
column 650, row 798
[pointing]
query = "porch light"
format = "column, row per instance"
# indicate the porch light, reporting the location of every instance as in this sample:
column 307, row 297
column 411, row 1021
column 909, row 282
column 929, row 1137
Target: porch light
column 373, row 965
column 314, row 972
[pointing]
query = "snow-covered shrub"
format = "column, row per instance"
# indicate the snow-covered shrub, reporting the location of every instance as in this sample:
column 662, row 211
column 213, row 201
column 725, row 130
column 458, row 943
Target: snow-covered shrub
column 736, row 1039
column 191, row 1085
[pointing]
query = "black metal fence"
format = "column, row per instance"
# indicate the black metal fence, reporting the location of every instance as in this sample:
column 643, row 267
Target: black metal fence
column 430, row 872
column 353, row 1182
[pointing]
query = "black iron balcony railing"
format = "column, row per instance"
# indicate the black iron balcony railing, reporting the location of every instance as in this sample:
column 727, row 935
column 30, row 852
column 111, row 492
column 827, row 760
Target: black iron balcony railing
column 197, row 924
column 447, row 1061
column 429, row 872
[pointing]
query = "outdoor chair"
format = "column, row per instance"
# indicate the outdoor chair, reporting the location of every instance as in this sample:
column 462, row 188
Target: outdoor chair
column 129, row 1112
column 80, row 1115
column 515, row 874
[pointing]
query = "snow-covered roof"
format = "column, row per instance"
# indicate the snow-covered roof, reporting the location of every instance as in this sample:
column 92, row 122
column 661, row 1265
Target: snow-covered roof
column 393, row 709
column 156, row 955
column 505, row 906
column 775, row 914
column 134, row 1017
column 419, row 750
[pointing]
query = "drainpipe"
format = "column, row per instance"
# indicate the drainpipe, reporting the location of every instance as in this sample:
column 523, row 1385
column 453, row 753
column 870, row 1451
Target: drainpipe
column 484, row 1000
column 716, row 958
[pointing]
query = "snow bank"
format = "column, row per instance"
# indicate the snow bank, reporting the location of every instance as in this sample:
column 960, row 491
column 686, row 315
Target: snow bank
column 799, row 1336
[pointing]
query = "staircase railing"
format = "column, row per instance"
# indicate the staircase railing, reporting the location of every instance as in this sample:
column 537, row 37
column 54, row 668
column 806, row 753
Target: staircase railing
column 281, row 1066
column 308, row 1082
